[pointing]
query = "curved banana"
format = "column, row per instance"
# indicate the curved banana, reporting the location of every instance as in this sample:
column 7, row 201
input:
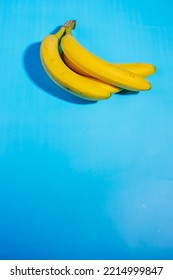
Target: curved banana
column 142, row 69
column 99, row 68
column 84, row 87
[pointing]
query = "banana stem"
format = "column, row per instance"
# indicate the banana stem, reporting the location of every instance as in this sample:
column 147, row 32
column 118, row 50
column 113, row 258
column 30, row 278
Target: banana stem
column 60, row 33
column 69, row 26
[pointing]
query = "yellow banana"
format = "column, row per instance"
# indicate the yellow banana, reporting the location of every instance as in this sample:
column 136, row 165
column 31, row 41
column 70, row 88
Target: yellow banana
column 84, row 87
column 99, row 68
column 142, row 69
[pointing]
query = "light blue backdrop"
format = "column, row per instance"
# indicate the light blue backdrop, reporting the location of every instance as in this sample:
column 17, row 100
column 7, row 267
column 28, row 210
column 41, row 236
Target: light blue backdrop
column 83, row 180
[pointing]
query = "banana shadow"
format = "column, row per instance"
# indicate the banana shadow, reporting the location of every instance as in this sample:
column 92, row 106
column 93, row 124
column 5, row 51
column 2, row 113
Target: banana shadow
column 34, row 69
column 126, row 92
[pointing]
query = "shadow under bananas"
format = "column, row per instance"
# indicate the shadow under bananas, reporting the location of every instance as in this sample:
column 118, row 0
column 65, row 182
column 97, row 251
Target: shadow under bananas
column 35, row 71
column 126, row 92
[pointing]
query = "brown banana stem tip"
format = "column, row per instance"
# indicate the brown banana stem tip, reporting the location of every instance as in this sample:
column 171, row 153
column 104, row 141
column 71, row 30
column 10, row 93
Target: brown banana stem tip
column 70, row 23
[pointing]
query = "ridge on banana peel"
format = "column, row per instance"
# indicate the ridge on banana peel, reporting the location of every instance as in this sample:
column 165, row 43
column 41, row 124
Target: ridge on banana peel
column 56, row 69
column 99, row 68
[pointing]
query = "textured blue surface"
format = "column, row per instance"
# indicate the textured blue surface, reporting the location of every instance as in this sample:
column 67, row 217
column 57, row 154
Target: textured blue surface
column 82, row 180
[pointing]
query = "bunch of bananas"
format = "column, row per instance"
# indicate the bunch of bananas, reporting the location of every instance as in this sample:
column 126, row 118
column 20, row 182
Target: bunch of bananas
column 84, row 74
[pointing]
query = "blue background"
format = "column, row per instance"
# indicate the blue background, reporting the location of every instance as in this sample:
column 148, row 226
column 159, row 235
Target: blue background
column 78, row 179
